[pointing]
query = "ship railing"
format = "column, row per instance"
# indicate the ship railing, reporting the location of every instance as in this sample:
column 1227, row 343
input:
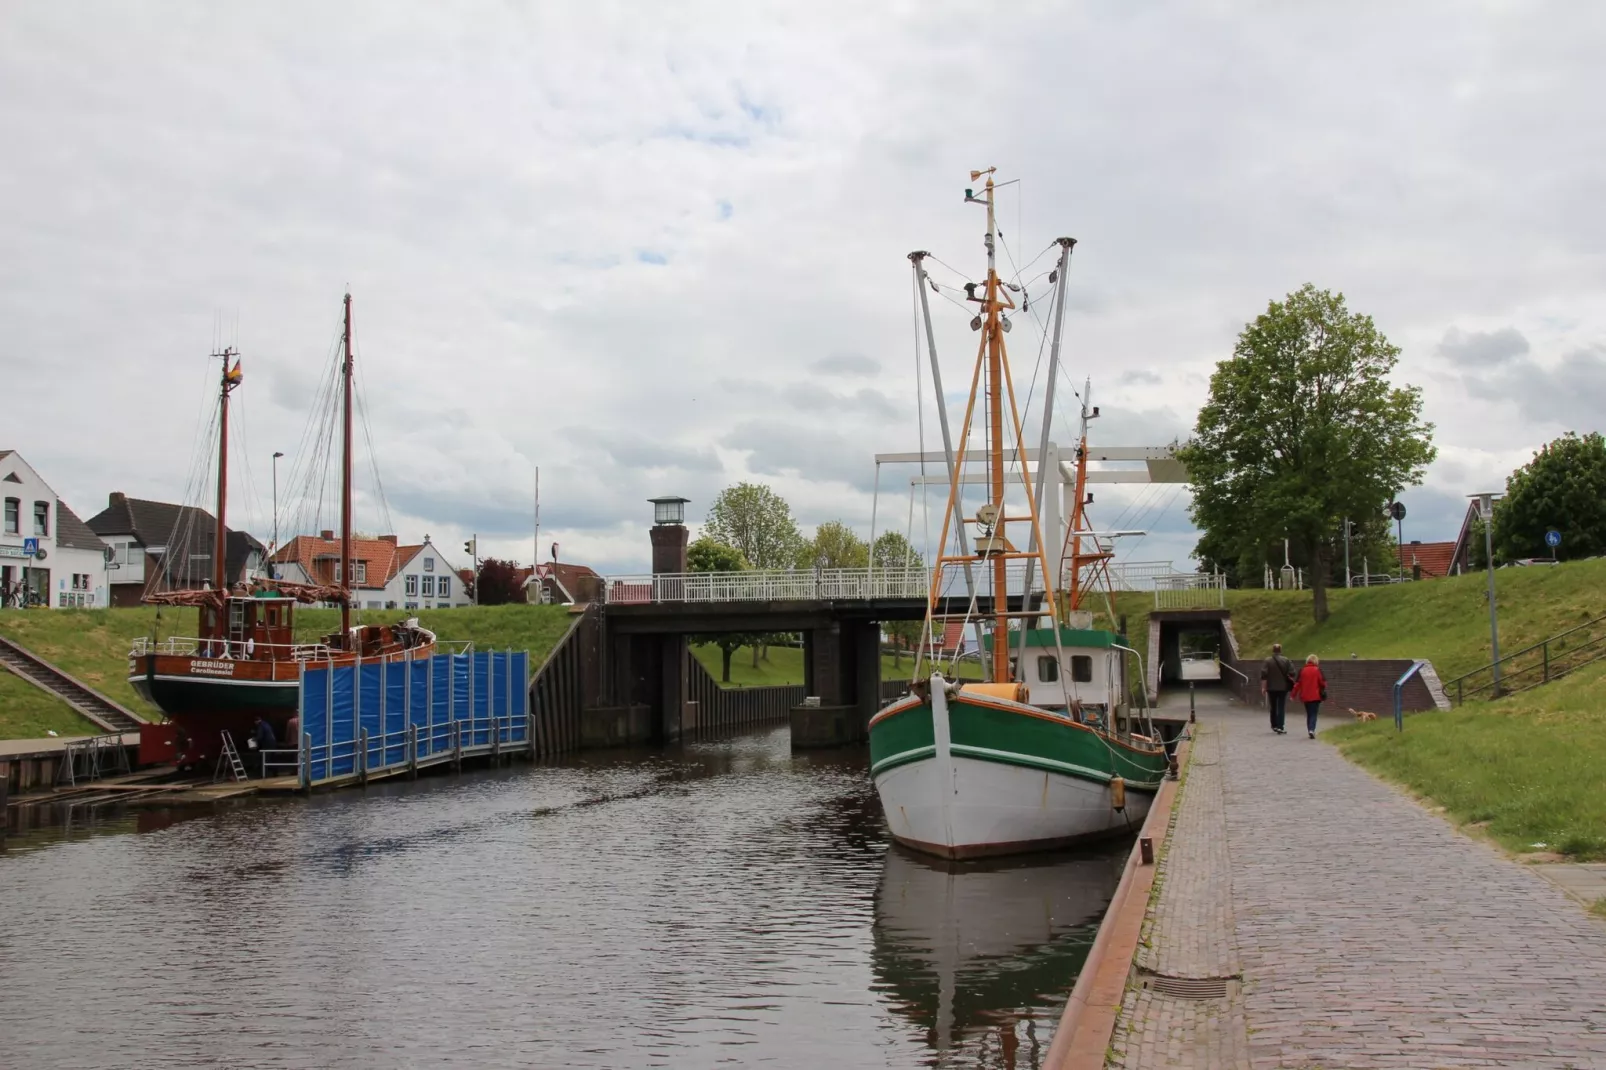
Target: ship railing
column 235, row 650
column 826, row 584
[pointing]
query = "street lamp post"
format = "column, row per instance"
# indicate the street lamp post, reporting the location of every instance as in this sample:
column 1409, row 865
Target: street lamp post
column 1486, row 511
column 272, row 574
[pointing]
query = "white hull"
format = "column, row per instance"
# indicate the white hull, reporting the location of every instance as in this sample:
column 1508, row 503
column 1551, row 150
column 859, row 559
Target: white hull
column 962, row 807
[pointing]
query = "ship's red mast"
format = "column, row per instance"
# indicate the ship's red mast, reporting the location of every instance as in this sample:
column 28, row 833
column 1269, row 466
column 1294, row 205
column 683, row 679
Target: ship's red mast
column 230, row 378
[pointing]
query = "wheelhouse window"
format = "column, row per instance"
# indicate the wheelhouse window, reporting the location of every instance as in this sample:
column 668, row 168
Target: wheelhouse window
column 41, row 518
column 1082, row 668
column 13, row 516
column 1048, row 670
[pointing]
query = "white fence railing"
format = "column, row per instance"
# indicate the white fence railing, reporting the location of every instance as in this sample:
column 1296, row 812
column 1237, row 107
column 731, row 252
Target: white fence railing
column 1190, row 590
column 1139, row 575
column 780, row 585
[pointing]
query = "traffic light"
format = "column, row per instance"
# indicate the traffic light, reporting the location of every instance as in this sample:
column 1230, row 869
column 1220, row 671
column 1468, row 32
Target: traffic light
column 472, row 547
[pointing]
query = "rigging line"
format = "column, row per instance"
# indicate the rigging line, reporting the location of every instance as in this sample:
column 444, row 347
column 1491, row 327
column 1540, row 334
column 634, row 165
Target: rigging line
column 1169, row 502
column 950, row 267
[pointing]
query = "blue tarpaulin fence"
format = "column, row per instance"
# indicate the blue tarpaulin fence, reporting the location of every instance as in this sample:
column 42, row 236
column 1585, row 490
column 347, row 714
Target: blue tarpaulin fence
column 374, row 717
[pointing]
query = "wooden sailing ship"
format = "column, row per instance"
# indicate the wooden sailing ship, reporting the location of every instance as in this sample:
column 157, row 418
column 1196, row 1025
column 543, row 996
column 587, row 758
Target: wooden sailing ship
column 1041, row 753
column 244, row 662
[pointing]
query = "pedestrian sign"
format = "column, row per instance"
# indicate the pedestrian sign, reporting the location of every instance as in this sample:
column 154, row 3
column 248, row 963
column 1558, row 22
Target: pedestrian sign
column 1552, row 538
column 30, row 547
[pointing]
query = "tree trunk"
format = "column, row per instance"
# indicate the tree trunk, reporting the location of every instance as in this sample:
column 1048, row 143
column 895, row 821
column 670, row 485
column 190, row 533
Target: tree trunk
column 755, row 655
column 1318, row 581
column 725, row 656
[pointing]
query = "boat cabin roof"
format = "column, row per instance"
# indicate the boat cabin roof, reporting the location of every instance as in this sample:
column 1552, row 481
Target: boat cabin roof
column 1069, row 637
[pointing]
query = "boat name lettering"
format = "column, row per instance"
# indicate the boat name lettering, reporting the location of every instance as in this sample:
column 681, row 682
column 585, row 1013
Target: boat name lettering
column 212, row 668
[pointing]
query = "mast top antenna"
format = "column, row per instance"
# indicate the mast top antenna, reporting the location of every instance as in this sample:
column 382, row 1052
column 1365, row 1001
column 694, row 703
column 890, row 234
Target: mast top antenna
column 974, row 175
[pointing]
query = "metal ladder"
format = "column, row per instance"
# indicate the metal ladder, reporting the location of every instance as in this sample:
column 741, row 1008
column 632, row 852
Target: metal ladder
column 236, row 768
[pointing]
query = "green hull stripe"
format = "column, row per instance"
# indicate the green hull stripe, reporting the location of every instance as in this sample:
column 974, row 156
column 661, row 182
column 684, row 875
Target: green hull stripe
column 988, row 754
column 902, row 758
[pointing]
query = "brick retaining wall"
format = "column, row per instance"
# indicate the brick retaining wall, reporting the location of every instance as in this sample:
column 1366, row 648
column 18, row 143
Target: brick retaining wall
column 1357, row 683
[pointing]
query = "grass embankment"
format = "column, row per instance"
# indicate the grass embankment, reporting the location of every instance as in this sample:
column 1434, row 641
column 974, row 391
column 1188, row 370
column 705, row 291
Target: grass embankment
column 93, row 644
column 1524, row 770
column 784, row 665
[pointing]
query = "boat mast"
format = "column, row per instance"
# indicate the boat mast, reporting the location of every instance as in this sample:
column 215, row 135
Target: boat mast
column 230, row 378
column 994, row 385
column 345, row 490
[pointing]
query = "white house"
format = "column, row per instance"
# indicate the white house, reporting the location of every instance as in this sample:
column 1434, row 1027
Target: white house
column 47, row 555
column 387, row 575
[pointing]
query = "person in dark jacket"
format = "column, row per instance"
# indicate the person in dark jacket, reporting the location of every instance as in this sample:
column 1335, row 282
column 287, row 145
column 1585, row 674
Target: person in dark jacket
column 262, row 732
column 1311, row 688
column 1276, row 678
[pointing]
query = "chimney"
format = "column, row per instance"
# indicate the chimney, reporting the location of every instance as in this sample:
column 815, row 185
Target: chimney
column 388, row 538
column 117, row 498
column 326, row 536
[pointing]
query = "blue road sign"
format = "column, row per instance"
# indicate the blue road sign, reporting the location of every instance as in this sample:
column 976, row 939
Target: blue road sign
column 30, row 547
column 1552, row 538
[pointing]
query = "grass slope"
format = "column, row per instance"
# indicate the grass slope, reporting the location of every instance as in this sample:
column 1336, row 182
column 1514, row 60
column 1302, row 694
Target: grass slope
column 1445, row 620
column 93, row 644
column 29, row 713
column 1526, row 769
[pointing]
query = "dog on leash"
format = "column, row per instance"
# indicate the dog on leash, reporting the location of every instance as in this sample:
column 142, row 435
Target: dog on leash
column 1363, row 715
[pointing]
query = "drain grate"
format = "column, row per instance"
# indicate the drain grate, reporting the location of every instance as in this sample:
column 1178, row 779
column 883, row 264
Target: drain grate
column 1189, row 987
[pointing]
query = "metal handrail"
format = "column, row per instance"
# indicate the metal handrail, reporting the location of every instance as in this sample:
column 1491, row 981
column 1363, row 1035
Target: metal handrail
column 790, row 585
column 1399, row 693
column 1548, row 667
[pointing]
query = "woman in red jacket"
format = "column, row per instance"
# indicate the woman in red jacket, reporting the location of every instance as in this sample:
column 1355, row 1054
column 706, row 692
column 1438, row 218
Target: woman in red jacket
column 1310, row 687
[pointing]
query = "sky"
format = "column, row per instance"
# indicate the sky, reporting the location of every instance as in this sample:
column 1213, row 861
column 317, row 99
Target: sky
column 660, row 249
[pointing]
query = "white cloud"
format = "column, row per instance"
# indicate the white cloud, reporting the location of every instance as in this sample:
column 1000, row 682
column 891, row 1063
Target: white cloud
column 570, row 229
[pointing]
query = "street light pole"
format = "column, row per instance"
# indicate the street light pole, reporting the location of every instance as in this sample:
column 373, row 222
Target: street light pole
column 272, row 573
column 1486, row 510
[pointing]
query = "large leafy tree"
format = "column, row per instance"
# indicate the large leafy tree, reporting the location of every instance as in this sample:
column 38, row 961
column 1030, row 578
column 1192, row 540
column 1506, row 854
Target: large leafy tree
column 893, row 551
column 1563, row 487
column 758, row 522
column 835, row 545
column 710, row 555
column 1303, row 428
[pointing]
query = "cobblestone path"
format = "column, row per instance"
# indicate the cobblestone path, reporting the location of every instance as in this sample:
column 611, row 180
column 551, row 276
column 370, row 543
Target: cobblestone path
column 1369, row 933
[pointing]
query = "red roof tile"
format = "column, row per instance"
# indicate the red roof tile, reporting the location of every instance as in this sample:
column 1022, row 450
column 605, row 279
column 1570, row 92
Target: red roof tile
column 382, row 557
column 1436, row 558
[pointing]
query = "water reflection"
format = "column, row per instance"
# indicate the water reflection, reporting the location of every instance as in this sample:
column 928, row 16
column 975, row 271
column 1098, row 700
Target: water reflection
column 725, row 903
column 982, row 956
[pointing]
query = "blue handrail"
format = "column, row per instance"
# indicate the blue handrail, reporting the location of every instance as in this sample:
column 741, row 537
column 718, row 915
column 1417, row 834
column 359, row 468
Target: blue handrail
column 1399, row 692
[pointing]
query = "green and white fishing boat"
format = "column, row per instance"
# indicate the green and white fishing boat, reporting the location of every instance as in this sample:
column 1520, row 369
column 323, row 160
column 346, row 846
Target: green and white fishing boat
column 1042, row 753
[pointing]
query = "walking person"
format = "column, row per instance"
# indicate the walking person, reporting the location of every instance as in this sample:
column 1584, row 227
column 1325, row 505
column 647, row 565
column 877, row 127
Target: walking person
column 1311, row 688
column 1276, row 680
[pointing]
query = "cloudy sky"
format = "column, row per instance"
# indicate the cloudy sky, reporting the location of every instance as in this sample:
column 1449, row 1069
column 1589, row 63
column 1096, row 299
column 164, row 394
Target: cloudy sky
column 661, row 248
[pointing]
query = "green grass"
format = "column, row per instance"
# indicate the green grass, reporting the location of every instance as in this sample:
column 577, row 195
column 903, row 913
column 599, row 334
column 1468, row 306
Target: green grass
column 1598, row 908
column 28, row 713
column 93, row 644
column 1526, row 769
column 1444, row 620
column 784, row 665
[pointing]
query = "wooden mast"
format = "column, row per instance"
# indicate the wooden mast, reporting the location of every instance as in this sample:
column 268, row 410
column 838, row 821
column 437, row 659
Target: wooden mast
column 994, row 386
column 229, row 378
column 345, row 490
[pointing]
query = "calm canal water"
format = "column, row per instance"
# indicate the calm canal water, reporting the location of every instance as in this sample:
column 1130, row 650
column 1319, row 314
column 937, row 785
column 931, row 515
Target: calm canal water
column 722, row 904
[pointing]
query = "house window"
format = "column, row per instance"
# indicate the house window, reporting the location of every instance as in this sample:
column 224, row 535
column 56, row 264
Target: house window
column 412, row 587
column 1082, row 668
column 1048, row 670
column 390, row 605
column 412, row 605
column 13, row 516
column 429, row 586
column 360, row 570
column 41, row 518
column 444, row 588
column 429, row 564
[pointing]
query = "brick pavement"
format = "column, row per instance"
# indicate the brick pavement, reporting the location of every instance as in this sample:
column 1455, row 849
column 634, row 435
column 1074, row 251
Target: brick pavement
column 1369, row 931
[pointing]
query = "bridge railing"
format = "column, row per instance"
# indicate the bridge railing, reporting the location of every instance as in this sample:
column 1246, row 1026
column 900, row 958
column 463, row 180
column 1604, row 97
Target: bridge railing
column 767, row 585
column 1190, row 590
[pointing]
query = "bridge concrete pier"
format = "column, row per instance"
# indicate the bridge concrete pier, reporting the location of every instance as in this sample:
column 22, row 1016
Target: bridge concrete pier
column 842, row 669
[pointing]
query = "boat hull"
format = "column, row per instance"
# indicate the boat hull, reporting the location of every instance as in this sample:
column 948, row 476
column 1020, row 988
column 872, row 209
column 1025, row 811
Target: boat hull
column 206, row 697
column 965, row 777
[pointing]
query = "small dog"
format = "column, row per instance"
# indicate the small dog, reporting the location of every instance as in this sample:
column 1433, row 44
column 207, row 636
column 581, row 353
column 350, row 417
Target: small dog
column 1363, row 715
